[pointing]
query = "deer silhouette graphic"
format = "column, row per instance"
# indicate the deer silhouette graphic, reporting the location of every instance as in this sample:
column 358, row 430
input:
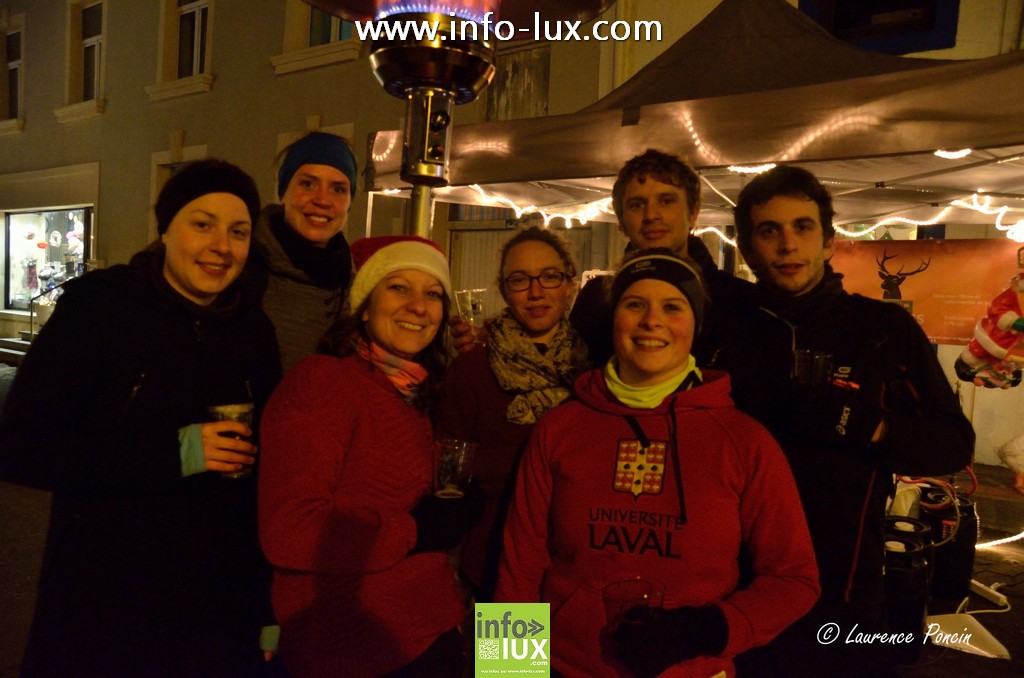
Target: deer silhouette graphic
column 891, row 281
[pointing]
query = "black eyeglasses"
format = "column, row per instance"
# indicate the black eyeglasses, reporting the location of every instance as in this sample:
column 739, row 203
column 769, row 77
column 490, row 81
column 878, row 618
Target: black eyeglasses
column 520, row 282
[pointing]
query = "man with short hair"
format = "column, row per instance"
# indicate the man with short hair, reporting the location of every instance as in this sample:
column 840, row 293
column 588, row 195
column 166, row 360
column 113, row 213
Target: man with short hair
column 656, row 198
column 885, row 408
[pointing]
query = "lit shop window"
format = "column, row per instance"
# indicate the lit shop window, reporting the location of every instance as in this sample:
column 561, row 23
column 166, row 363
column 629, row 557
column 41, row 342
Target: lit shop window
column 44, row 250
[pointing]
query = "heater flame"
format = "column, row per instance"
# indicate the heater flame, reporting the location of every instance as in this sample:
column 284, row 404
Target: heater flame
column 470, row 10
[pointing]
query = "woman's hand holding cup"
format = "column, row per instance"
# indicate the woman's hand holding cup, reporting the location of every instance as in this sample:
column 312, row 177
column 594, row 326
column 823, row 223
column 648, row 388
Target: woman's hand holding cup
column 227, row 447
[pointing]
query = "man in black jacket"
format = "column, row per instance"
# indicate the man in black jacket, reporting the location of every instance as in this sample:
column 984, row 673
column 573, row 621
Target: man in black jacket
column 884, row 408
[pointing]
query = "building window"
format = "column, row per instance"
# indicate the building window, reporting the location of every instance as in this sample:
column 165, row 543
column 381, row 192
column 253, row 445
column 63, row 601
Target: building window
column 12, row 49
column 325, row 28
column 12, row 73
column 92, row 50
column 183, row 65
column 192, row 21
column 83, row 88
column 314, row 38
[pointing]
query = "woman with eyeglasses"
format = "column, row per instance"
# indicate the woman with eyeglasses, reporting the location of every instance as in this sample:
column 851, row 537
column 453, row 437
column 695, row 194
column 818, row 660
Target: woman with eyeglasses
column 494, row 396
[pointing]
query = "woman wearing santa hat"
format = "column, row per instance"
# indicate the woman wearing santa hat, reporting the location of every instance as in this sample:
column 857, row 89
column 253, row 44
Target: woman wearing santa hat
column 362, row 584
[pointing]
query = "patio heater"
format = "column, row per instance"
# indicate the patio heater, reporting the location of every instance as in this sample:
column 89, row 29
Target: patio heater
column 433, row 75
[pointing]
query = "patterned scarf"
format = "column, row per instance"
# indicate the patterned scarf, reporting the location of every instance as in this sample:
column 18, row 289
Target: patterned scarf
column 538, row 380
column 404, row 374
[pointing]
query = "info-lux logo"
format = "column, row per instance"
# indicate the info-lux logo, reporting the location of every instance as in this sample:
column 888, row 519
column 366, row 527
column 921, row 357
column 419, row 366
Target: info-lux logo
column 512, row 638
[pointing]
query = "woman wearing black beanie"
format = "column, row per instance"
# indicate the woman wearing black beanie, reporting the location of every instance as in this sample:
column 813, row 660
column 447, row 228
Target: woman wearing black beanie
column 152, row 564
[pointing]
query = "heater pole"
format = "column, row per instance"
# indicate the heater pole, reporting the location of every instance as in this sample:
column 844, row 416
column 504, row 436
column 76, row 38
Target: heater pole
column 434, row 72
column 421, row 213
column 428, row 128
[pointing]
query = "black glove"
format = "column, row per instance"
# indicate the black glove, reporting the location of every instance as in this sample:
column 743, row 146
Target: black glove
column 442, row 523
column 649, row 640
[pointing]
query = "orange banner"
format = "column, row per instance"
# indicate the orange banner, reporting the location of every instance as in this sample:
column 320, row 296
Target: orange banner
column 946, row 285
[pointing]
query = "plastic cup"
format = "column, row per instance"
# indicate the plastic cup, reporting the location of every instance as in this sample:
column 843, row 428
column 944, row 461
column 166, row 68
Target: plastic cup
column 623, row 595
column 242, row 412
column 470, row 305
column 453, row 467
column 812, row 369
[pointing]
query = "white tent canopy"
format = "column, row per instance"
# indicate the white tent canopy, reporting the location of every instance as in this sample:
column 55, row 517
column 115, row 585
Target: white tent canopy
column 755, row 82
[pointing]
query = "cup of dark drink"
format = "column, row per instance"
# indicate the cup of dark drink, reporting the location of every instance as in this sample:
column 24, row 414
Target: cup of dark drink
column 453, row 467
column 621, row 596
column 812, row 369
column 240, row 412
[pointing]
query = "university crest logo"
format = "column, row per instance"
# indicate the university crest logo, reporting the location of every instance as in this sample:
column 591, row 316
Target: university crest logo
column 639, row 470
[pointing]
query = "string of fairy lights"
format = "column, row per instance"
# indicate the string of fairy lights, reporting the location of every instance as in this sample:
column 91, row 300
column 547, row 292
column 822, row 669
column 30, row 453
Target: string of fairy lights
column 582, row 213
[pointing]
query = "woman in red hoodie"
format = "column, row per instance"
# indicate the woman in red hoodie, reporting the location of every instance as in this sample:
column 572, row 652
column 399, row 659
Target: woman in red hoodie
column 652, row 473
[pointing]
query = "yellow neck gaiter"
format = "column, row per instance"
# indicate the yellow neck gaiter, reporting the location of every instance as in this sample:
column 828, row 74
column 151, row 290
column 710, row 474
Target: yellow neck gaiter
column 645, row 397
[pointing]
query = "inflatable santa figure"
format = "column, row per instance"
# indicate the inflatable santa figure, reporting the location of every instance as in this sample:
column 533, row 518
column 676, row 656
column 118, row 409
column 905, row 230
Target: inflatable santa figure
column 991, row 358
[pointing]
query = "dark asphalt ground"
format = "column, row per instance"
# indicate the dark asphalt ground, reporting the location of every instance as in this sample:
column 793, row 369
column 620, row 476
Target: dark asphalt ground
column 24, row 515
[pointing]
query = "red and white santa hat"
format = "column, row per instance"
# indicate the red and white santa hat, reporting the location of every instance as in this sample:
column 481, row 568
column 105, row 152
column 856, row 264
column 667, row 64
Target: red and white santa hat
column 379, row 256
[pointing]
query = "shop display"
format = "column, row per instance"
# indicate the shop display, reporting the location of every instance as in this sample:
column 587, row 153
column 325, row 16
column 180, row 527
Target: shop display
column 44, row 250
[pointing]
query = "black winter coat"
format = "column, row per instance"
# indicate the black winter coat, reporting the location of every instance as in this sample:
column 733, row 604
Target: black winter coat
column 145, row 572
column 843, row 487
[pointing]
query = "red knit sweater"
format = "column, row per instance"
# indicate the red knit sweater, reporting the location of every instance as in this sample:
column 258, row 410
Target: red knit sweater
column 343, row 458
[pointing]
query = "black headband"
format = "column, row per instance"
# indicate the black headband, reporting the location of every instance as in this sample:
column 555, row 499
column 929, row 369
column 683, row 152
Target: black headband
column 666, row 268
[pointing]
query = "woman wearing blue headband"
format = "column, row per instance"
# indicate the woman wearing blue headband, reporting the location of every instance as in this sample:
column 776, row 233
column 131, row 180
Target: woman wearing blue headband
column 301, row 245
